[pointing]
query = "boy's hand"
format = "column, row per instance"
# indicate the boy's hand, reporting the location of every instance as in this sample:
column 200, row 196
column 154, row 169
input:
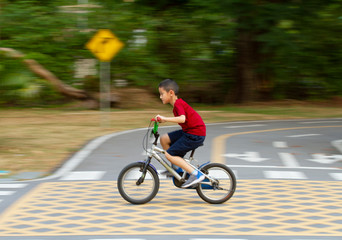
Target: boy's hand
column 160, row 118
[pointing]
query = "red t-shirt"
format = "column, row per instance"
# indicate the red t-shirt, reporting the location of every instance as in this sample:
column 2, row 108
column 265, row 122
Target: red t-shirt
column 193, row 121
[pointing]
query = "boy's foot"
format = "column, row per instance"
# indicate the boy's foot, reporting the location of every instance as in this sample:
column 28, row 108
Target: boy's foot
column 193, row 179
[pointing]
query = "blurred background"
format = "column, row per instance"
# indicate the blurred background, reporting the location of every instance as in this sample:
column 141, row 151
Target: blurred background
column 219, row 51
column 235, row 60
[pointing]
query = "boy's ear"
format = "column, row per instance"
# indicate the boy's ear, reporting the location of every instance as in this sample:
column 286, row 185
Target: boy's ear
column 172, row 92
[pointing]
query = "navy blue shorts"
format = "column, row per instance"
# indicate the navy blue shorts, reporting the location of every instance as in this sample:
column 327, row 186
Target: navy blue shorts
column 182, row 142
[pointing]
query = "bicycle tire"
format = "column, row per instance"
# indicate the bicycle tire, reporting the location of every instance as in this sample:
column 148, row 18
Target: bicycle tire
column 138, row 193
column 224, row 190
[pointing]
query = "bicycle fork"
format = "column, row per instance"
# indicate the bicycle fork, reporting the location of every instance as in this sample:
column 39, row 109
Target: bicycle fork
column 143, row 169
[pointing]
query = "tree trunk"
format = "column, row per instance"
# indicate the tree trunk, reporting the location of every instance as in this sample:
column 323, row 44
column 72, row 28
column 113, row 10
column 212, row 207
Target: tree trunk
column 251, row 84
column 253, row 76
column 245, row 69
column 59, row 86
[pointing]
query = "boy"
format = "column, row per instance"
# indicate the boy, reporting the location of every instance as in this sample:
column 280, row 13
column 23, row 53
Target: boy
column 192, row 135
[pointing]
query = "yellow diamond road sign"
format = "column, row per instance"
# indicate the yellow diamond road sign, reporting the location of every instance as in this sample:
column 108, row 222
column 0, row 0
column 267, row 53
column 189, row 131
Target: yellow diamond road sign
column 104, row 45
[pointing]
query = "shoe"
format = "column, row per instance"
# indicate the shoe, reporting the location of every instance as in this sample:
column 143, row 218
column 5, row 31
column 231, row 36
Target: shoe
column 193, row 179
column 168, row 174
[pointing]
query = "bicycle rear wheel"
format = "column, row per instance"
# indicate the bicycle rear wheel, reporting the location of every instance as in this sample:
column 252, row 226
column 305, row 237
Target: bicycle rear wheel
column 221, row 191
column 133, row 191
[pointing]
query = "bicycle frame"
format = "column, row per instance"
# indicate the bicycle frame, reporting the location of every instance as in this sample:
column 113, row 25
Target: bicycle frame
column 131, row 179
column 154, row 153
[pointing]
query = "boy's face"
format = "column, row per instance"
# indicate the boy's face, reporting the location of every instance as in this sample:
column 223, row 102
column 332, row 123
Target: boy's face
column 165, row 96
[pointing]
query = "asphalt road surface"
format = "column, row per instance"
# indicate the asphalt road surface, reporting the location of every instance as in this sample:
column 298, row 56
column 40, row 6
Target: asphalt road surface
column 288, row 188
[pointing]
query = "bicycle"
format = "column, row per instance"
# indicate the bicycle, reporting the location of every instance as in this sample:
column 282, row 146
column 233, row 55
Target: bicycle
column 138, row 182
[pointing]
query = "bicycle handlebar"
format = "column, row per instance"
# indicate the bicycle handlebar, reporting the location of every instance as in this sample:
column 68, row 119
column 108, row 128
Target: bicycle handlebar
column 155, row 120
column 156, row 124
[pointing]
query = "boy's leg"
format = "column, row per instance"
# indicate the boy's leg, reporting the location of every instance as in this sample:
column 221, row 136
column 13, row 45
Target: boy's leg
column 178, row 145
column 165, row 141
column 195, row 176
column 180, row 162
column 184, row 144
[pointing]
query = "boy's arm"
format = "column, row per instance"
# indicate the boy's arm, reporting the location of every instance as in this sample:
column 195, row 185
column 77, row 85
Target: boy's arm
column 178, row 119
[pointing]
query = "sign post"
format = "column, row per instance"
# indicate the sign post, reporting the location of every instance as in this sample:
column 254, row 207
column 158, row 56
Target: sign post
column 105, row 86
column 105, row 45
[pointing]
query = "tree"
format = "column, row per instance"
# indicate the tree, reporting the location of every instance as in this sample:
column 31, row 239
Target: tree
column 233, row 50
column 281, row 46
column 38, row 69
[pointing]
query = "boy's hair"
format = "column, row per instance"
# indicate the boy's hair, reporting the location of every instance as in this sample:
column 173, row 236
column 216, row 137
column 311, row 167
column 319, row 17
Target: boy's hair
column 169, row 84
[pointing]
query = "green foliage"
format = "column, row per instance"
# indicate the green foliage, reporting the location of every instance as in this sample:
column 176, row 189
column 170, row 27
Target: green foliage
column 18, row 86
column 309, row 49
column 296, row 45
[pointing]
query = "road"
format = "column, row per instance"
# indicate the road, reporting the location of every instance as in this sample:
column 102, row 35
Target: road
column 289, row 188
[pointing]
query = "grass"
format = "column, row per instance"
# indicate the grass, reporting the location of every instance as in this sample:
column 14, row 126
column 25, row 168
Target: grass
column 40, row 140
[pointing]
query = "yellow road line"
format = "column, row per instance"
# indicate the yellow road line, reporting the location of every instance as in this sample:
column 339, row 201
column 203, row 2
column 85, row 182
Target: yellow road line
column 218, row 145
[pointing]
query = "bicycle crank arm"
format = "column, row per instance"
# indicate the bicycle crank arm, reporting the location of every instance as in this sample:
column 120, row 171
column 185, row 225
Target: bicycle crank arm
column 219, row 188
column 214, row 186
column 212, row 180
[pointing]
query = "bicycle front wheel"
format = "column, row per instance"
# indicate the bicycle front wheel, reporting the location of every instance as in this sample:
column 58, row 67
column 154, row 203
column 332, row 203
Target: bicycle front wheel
column 134, row 191
column 224, row 186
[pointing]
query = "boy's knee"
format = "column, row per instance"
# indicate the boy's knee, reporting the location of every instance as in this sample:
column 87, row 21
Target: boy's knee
column 165, row 141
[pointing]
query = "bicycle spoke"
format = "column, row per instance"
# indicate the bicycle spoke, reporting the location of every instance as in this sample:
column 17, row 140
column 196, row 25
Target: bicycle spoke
column 221, row 185
column 136, row 187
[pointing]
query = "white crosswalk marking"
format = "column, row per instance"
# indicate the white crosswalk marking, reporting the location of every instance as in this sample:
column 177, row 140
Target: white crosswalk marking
column 284, row 175
column 5, row 186
column 288, row 160
column 13, row 185
column 280, row 144
column 6, row 193
column 83, row 175
column 336, row 176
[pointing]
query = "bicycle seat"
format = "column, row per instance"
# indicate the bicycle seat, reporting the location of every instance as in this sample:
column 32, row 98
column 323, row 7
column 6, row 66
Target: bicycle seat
column 193, row 150
column 199, row 146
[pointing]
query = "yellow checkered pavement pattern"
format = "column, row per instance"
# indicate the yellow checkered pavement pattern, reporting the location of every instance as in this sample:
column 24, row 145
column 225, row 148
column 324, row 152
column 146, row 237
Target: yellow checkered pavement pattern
column 259, row 207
